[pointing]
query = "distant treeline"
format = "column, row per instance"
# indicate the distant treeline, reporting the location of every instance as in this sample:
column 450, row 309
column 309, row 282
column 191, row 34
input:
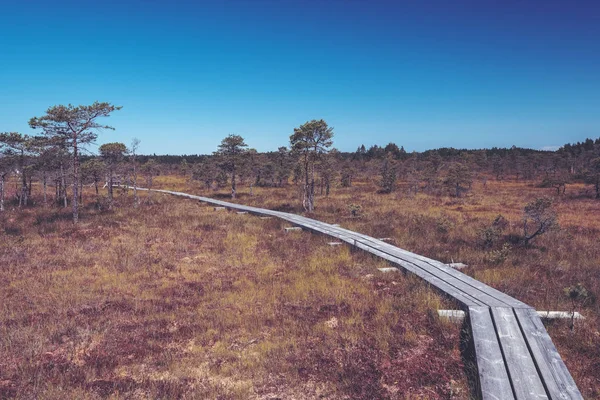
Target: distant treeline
column 380, row 152
column 444, row 170
column 54, row 159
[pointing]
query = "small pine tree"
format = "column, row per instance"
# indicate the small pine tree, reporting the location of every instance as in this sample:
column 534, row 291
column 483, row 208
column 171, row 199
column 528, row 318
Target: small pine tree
column 577, row 294
column 232, row 149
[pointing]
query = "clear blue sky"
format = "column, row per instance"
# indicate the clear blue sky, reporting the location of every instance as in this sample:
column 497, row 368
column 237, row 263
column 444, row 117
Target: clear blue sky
column 423, row 74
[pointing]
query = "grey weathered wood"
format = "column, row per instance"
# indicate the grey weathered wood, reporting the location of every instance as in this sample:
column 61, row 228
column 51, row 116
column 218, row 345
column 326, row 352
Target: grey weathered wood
column 494, row 381
column 464, row 298
column 242, row 212
column 472, row 285
column 459, row 314
column 335, row 243
column 559, row 315
column 220, row 208
column 447, row 270
column 452, row 315
column 558, row 380
column 458, row 266
column 292, row 228
column 386, row 270
column 526, row 382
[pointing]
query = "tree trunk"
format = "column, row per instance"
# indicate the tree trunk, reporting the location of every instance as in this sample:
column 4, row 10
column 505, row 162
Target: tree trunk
column 110, row 188
column 125, row 184
column 306, row 195
column 149, row 183
column 135, row 195
column 63, row 185
column 311, row 193
column 2, row 192
column 97, row 192
column 44, row 182
column 75, row 182
column 233, row 183
column 24, row 196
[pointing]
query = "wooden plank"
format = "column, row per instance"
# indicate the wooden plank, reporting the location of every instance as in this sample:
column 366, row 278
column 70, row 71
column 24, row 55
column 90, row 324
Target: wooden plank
column 496, row 294
column 527, row 383
column 559, row 315
column 452, row 315
column 543, row 315
column 494, row 381
column 391, row 269
column 464, row 299
column 556, row 376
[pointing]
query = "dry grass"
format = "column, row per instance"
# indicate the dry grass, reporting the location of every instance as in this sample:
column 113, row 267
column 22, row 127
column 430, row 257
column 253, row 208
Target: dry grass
column 449, row 229
column 174, row 300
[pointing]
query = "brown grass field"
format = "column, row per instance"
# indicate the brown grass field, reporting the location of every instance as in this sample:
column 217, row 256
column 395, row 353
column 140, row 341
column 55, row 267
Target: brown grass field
column 175, row 300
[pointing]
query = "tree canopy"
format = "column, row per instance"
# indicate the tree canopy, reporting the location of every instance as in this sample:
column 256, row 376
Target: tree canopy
column 231, row 149
column 74, row 126
column 308, row 141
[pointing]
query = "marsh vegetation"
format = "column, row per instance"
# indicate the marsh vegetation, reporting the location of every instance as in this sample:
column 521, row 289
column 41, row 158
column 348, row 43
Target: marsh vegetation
column 149, row 296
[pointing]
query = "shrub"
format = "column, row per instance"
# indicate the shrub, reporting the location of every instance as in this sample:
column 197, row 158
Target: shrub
column 489, row 236
column 538, row 217
column 354, row 209
column 499, row 256
column 444, row 224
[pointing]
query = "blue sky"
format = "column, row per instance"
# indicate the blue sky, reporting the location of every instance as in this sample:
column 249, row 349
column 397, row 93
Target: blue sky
column 422, row 74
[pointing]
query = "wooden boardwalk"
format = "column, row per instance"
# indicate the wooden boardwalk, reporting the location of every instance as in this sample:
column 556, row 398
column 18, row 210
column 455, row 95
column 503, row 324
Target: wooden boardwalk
column 515, row 356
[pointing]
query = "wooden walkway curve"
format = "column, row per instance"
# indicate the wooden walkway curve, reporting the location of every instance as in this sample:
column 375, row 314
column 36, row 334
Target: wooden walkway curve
column 515, row 356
